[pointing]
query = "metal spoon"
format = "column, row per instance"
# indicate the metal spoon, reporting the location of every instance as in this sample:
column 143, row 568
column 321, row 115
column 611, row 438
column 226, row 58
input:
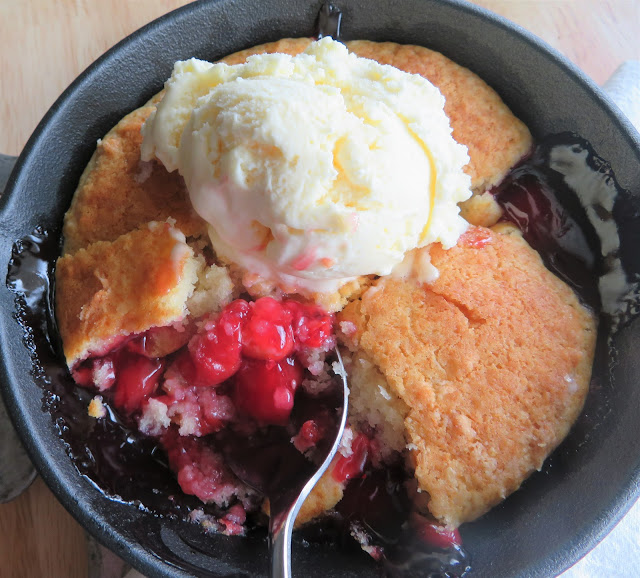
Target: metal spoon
column 290, row 477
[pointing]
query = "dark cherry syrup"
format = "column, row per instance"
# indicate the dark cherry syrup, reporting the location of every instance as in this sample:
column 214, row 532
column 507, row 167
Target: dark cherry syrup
column 565, row 200
column 530, row 197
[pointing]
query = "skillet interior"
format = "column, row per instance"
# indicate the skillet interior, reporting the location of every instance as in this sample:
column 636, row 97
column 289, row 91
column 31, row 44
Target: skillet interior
column 539, row 531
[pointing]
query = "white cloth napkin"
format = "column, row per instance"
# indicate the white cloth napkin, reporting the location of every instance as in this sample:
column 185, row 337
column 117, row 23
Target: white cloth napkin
column 618, row 555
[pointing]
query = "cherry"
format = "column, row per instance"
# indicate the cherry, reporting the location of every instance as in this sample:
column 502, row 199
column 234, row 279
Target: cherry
column 216, row 357
column 312, row 326
column 233, row 316
column 160, row 341
column 216, row 353
column 233, row 521
column 434, row 534
column 137, row 377
column 352, row 466
column 310, row 432
column 187, row 368
column 309, row 435
column 267, row 333
column 264, row 390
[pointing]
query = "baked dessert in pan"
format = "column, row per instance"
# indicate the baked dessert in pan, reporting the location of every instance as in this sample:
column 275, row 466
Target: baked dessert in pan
column 470, row 380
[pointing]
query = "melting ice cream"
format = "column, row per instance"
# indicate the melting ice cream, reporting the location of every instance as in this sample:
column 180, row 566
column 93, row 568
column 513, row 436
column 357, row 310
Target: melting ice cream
column 315, row 169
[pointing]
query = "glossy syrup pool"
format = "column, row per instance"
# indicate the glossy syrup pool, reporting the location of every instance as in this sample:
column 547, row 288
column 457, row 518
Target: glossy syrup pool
column 129, row 467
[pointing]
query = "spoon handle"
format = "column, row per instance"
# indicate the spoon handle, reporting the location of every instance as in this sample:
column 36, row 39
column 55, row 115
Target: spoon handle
column 16, row 471
column 283, row 517
column 280, row 545
column 6, row 166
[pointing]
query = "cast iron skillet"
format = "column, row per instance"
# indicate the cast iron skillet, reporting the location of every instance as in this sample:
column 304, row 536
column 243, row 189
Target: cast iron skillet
column 561, row 512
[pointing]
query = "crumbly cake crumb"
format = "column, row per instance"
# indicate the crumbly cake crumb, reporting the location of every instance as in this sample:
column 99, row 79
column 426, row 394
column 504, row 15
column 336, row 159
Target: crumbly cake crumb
column 97, row 408
column 154, row 419
column 375, row 406
column 481, row 210
column 214, row 289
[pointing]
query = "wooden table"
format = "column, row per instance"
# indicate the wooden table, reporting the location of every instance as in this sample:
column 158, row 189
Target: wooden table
column 45, row 44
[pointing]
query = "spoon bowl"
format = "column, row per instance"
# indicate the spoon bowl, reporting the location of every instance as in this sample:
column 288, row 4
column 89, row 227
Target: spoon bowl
column 269, row 463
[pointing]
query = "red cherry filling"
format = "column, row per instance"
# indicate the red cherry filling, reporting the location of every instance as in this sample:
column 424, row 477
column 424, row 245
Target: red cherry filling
column 200, row 469
column 264, row 390
column 433, row 534
column 137, row 378
column 309, row 435
column 240, row 367
column 267, row 332
column 352, row 466
column 216, row 353
column 312, row 326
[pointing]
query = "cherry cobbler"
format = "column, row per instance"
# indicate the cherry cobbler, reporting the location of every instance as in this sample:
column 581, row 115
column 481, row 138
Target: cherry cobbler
column 462, row 381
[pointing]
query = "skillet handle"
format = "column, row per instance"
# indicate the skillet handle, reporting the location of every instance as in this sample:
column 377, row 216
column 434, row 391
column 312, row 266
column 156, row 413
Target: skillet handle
column 16, row 471
column 6, row 166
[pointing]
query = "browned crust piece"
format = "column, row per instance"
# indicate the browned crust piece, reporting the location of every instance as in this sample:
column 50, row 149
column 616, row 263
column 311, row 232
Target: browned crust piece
column 114, row 289
column 114, row 197
column 493, row 360
column 117, row 193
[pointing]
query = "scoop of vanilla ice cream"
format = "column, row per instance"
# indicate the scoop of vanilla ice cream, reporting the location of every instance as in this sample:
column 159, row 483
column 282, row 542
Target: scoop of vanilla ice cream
column 315, row 169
